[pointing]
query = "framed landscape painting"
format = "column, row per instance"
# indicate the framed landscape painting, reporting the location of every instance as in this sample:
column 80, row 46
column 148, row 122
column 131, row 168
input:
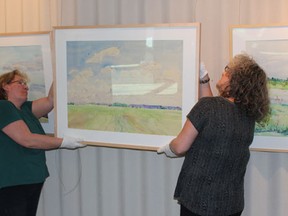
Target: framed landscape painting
column 126, row 86
column 30, row 53
column 268, row 45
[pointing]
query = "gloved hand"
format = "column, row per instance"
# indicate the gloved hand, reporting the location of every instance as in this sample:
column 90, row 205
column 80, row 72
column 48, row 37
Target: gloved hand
column 203, row 71
column 71, row 143
column 167, row 150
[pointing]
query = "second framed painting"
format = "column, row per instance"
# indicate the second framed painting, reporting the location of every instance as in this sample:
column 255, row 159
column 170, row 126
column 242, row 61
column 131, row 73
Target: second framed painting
column 126, row 86
column 30, row 53
column 268, row 45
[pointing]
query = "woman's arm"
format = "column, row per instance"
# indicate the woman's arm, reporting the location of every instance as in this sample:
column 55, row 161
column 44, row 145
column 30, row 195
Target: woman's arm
column 20, row 133
column 41, row 107
column 204, row 87
column 182, row 143
column 204, row 82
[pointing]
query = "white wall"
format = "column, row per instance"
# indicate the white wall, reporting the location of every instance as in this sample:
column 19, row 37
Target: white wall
column 104, row 181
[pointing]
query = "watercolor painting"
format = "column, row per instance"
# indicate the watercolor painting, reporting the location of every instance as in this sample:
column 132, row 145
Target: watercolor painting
column 268, row 45
column 27, row 59
column 125, row 86
column 272, row 56
column 31, row 54
column 113, row 87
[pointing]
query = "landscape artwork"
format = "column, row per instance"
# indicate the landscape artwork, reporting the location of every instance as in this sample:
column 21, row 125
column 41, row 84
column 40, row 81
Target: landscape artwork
column 125, row 86
column 27, row 59
column 31, row 54
column 272, row 56
column 268, row 45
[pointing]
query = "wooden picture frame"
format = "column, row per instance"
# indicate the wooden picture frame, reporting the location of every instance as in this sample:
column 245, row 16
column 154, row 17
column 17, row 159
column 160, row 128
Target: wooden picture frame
column 30, row 53
column 268, row 45
column 125, row 86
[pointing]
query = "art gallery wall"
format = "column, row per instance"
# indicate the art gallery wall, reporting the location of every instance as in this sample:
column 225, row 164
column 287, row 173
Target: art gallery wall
column 102, row 181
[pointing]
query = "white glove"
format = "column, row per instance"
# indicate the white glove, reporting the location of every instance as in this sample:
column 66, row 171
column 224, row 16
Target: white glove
column 167, row 150
column 71, row 143
column 203, row 71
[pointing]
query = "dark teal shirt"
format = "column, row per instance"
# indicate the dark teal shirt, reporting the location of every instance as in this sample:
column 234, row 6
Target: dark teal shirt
column 20, row 165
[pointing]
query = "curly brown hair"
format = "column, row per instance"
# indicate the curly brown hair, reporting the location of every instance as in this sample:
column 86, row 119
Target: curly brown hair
column 248, row 86
column 6, row 78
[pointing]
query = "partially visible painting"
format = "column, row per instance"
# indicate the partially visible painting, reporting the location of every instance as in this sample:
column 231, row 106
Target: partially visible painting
column 268, row 45
column 126, row 85
column 30, row 53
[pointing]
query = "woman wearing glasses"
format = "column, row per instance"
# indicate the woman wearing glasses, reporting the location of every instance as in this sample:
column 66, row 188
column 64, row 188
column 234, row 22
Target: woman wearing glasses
column 23, row 141
column 215, row 141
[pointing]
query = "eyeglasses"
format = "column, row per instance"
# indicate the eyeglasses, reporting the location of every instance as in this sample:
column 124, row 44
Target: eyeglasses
column 227, row 68
column 21, row 82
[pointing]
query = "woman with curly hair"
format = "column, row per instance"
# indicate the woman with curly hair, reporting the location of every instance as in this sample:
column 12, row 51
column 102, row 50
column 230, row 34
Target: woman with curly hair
column 215, row 140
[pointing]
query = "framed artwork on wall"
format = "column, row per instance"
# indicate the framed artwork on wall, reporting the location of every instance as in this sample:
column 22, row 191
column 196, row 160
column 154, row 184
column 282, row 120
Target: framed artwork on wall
column 30, row 53
column 268, row 45
column 125, row 86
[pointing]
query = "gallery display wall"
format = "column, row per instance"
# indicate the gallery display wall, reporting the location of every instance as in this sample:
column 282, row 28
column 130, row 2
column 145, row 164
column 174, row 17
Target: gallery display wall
column 143, row 180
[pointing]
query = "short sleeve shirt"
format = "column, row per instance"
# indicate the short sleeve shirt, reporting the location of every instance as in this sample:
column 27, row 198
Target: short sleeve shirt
column 18, row 164
column 212, row 175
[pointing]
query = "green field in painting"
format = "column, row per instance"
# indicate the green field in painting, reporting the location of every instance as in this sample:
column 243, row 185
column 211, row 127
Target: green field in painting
column 125, row 119
column 278, row 121
column 43, row 120
column 278, row 84
column 277, row 124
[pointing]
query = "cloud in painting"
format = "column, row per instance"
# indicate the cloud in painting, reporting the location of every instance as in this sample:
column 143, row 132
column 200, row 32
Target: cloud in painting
column 99, row 56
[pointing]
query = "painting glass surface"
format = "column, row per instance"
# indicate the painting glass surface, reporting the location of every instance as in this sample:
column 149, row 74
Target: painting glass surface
column 27, row 59
column 31, row 54
column 268, row 45
column 272, row 55
column 125, row 91
column 126, row 86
